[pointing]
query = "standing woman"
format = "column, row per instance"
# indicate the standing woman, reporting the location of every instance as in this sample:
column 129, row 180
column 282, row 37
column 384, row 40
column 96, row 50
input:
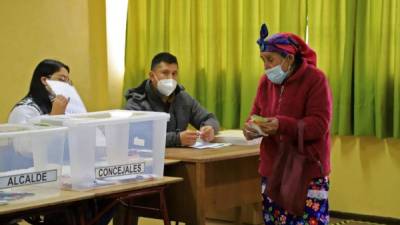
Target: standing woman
column 294, row 97
column 40, row 100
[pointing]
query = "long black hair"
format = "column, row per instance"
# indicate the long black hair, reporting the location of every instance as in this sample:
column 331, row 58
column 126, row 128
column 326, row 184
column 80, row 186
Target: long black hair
column 37, row 90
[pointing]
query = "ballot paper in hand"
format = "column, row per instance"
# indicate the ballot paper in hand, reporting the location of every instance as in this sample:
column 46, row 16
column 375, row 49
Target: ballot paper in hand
column 75, row 104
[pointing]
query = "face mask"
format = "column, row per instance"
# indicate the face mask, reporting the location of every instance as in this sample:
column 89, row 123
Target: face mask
column 166, row 86
column 276, row 75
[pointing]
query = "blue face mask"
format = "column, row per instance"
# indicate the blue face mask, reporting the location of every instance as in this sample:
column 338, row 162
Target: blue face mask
column 276, row 75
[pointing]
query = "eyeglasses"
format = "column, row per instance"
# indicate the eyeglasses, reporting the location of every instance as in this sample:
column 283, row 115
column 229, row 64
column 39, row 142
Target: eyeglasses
column 61, row 78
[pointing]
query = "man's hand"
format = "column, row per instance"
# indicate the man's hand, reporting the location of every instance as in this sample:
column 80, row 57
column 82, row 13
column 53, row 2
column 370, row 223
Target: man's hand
column 188, row 137
column 207, row 133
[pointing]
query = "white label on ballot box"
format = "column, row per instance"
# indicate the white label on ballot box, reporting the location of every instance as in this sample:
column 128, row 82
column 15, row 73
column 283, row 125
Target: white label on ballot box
column 120, row 170
column 28, row 179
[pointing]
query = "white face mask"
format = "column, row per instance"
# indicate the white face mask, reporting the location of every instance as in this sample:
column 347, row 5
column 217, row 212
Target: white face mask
column 276, row 75
column 166, row 86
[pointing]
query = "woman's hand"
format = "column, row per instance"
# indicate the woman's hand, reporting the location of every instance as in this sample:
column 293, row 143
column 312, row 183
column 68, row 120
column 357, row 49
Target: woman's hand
column 250, row 133
column 270, row 127
column 59, row 105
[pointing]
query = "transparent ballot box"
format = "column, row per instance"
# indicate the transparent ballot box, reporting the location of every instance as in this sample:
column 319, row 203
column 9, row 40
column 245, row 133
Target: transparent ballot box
column 31, row 159
column 112, row 146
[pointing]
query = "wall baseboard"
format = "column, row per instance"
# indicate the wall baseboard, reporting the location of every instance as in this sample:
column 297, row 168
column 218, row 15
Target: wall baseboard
column 366, row 218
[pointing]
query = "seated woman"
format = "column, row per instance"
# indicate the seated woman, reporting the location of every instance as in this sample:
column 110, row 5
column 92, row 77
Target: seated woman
column 40, row 100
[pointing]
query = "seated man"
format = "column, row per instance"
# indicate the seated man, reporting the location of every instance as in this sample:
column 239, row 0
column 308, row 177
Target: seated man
column 161, row 93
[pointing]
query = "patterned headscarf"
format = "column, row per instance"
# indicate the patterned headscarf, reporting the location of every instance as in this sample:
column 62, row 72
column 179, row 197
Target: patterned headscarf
column 286, row 43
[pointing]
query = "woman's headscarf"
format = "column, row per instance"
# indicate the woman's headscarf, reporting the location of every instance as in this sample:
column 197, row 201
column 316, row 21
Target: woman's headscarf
column 286, row 43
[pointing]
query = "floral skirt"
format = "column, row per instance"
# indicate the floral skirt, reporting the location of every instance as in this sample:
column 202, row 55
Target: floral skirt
column 316, row 206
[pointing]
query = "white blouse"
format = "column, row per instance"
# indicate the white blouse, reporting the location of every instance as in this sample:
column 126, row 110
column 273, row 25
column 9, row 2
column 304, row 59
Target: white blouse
column 25, row 110
column 22, row 114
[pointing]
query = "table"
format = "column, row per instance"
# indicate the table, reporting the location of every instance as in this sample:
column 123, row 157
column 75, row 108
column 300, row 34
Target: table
column 72, row 202
column 168, row 162
column 125, row 194
column 64, row 201
column 213, row 179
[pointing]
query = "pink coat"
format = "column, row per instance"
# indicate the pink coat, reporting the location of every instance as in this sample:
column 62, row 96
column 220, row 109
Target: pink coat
column 306, row 96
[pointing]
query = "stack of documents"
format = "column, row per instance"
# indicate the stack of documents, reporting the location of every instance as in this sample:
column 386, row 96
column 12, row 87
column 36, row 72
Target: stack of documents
column 235, row 137
column 5, row 197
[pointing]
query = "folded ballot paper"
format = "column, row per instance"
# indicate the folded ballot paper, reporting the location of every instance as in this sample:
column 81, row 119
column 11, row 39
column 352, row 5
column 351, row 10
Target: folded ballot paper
column 257, row 118
column 235, row 137
column 75, row 104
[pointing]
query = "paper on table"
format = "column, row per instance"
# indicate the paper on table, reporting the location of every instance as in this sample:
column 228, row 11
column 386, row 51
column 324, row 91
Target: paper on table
column 235, row 137
column 75, row 104
column 200, row 144
column 11, row 196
